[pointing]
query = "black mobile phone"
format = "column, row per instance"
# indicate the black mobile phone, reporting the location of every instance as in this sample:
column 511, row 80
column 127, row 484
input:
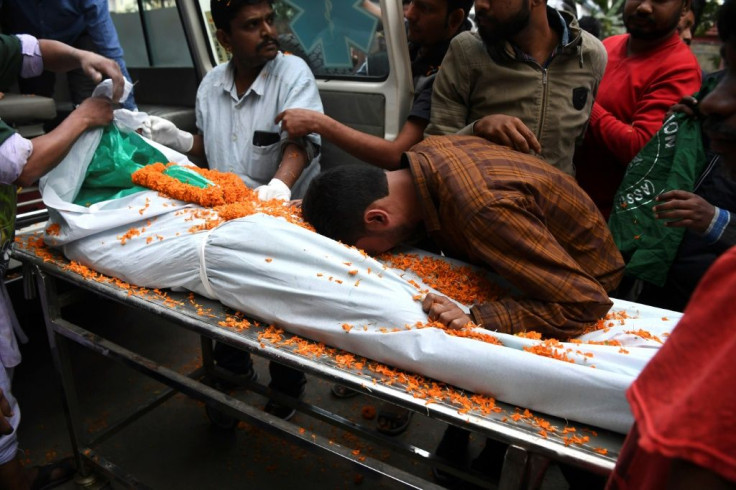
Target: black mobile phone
column 265, row 138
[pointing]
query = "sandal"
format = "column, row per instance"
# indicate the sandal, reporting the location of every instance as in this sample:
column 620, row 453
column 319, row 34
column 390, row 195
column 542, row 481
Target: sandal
column 393, row 420
column 341, row 391
column 54, row 474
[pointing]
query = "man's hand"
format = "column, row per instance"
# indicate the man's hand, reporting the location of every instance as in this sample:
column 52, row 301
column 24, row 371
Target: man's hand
column 688, row 105
column 684, row 209
column 94, row 111
column 98, row 67
column 275, row 189
column 507, row 131
column 443, row 310
column 165, row 132
column 299, row 122
column 5, row 427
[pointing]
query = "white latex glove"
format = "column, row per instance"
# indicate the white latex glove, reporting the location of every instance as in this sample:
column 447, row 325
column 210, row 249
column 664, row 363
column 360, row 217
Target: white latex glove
column 274, row 190
column 165, row 132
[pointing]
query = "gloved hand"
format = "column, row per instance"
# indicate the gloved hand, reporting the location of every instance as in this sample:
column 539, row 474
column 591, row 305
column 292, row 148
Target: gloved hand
column 165, row 132
column 274, row 190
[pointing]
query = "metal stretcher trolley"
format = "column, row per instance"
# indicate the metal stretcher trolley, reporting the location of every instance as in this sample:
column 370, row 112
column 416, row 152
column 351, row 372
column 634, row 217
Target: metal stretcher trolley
column 526, row 459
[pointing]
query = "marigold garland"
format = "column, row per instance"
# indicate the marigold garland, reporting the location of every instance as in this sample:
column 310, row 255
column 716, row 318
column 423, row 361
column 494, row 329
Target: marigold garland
column 228, row 187
column 230, row 198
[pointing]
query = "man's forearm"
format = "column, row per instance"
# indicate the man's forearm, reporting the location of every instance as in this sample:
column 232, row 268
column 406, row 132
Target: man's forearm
column 561, row 321
column 373, row 149
column 293, row 163
column 49, row 149
column 197, row 149
column 58, row 57
column 621, row 139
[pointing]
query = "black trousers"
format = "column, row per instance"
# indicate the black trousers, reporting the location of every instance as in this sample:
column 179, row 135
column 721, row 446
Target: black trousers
column 283, row 378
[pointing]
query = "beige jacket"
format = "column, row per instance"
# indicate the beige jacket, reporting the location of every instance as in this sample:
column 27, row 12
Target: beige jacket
column 554, row 102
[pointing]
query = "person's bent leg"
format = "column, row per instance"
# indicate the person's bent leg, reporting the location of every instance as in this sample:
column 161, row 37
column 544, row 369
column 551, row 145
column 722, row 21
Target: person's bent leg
column 235, row 360
column 286, row 379
column 454, row 448
column 289, row 381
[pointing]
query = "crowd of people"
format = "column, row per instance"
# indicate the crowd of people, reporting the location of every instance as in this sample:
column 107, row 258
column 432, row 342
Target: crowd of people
column 518, row 138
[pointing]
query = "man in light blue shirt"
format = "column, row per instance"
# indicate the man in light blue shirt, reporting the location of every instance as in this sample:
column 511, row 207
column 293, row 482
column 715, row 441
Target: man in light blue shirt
column 228, row 121
column 237, row 104
column 238, row 101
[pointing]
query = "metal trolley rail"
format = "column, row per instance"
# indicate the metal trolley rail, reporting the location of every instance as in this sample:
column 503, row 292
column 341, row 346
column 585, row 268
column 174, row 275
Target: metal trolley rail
column 526, row 459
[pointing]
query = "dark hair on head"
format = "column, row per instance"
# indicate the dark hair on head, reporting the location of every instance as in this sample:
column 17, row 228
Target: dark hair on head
column 697, row 6
column 727, row 21
column 224, row 11
column 590, row 24
column 337, row 198
column 466, row 5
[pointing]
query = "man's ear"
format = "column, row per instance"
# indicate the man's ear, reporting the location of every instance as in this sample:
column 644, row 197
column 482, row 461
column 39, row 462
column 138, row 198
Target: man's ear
column 376, row 219
column 538, row 4
column 224, row 39
column 455, row 20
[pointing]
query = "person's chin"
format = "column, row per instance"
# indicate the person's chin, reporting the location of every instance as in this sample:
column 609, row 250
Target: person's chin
column 490, row 36
column 270, row 51
column 641, row 29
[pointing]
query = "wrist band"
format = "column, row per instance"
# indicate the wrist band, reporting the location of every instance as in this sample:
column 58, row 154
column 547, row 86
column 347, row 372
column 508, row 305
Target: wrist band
column 717, row 226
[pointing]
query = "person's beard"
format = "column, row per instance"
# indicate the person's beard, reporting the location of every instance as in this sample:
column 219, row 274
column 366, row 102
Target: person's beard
column 497, row 31
column 646, row 35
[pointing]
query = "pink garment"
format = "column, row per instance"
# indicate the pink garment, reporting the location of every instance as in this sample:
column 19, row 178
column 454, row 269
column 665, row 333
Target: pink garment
column 32, row 63
column 684, row 402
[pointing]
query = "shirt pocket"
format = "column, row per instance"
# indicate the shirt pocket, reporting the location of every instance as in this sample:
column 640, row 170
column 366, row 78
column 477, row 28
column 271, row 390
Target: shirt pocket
column 264, row 162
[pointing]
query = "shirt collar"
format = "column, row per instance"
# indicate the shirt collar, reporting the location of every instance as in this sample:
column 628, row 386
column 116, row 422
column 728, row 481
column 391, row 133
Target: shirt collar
column 429, row 211
column 258, row 86
column 560, row 26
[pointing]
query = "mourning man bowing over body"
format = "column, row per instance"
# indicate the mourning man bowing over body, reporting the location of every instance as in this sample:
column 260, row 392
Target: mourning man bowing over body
column 491, row 206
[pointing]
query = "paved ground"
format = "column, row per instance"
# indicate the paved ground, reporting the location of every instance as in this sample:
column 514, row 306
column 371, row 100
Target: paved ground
column 175, row 446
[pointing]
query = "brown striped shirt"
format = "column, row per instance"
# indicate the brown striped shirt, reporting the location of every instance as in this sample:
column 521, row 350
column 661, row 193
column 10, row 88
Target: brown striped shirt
column 525, row 220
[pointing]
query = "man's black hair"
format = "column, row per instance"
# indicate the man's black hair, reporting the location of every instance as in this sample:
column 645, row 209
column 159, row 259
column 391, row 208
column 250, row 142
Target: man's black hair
column 590, row 24
column 337, row 199
column 224, row 11
column 697, row 6
column 452, row 5
column 466, row 5
column 727, row 22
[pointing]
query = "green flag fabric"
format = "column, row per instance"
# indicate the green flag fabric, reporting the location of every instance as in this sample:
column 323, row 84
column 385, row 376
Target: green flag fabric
column 673, row 159
column 117, row 156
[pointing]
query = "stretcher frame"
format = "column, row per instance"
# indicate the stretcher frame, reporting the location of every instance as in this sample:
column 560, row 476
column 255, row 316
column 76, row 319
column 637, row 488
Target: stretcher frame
column 526, row 460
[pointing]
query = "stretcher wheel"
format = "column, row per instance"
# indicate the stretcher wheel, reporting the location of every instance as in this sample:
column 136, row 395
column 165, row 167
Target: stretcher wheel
column 220, row 419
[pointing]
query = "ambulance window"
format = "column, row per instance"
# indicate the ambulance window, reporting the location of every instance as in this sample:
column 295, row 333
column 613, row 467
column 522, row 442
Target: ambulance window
column 150, row 33
column 337, row 38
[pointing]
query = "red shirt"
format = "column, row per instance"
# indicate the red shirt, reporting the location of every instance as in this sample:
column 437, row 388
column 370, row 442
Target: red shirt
column 635, row 93
column 684, row 401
